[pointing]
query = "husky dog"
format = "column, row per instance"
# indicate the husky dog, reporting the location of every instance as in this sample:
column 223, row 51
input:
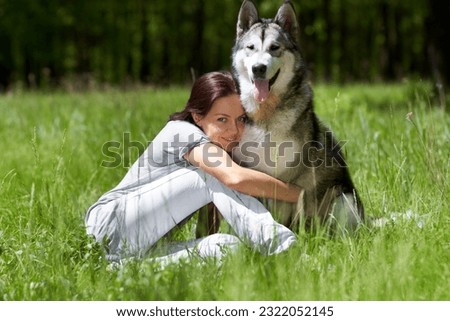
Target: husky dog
column 284, row 137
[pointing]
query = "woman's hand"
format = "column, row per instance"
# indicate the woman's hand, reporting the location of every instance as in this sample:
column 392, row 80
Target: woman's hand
column 216, row 162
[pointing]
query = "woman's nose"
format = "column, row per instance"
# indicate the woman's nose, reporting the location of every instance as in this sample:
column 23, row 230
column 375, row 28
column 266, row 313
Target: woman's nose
column 234, row 128
column 237, row 130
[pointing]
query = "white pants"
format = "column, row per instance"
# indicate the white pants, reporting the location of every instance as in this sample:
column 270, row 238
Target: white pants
column 133, row 222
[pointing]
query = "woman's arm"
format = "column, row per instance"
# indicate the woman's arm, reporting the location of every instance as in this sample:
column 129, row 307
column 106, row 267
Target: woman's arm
column 216, row 162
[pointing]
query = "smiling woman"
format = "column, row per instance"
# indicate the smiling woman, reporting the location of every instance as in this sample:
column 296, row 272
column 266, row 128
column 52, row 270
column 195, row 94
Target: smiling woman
column 186, row 167
column 224, row 123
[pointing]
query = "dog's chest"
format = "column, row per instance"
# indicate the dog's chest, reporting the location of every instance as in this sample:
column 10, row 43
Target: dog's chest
column 272, row 152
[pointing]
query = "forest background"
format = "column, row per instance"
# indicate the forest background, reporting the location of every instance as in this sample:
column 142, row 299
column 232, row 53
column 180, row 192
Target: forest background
column 85, row 43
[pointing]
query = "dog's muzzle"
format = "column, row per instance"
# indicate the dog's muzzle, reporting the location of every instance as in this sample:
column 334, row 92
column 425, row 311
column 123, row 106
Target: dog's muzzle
column 262, row 85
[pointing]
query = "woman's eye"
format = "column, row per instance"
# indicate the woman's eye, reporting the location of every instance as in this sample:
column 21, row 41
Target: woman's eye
column 243, row 119
column 222, row 119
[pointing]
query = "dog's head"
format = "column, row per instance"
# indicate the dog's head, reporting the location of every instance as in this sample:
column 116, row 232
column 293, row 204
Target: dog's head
column 265, row 55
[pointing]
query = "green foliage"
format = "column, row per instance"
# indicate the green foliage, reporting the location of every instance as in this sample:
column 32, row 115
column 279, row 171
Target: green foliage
column 85, row 42
column 50, row 173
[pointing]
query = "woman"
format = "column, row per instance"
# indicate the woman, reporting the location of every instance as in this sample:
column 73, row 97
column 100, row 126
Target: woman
column 186, row 167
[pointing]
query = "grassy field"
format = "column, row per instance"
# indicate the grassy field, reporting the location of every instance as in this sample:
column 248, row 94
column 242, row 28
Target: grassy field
column 50, row 173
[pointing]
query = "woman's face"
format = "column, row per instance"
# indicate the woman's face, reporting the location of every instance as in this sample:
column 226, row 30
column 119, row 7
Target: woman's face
column 224, row 123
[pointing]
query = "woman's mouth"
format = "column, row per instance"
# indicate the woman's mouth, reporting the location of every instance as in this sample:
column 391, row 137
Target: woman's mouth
column 230, row 143
column 231, row 140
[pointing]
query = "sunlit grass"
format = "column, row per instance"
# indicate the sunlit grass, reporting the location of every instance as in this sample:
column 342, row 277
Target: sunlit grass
column 50, row 173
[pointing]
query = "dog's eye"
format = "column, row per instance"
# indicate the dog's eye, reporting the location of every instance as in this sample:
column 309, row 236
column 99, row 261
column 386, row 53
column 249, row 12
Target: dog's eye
column 274, row 47
column 250, row 47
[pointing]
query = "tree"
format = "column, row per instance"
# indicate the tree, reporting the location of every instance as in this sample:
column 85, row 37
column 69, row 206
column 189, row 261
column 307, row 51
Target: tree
column 438, row 46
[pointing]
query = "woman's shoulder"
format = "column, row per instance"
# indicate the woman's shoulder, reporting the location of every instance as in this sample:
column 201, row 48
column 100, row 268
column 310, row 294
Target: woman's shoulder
column 177, row 138
column 183, row 128
column 180, row 130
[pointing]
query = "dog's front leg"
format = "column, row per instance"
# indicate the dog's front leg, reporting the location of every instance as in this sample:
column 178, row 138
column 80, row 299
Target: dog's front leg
column 289, row 214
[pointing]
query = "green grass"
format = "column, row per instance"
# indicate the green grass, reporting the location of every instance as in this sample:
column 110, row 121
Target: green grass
column 50, row 173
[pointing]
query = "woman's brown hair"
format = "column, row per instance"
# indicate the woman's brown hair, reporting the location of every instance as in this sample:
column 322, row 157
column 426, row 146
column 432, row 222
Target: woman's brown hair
column 205, row 91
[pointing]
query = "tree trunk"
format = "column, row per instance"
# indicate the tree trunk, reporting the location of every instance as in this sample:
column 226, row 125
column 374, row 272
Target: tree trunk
column 144, row 73
column 196, row 60
column 328, row 40
column 438, row 47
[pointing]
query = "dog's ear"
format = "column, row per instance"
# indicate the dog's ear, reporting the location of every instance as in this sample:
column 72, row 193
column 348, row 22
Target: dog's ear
column 248, row 16
column 286, row 18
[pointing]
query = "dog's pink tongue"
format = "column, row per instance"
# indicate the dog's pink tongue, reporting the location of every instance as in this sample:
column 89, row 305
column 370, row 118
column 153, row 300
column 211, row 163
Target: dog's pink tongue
column 261, row 91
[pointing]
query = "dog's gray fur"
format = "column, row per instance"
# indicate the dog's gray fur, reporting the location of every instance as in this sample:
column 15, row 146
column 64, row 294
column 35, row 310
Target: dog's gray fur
column 284, row 137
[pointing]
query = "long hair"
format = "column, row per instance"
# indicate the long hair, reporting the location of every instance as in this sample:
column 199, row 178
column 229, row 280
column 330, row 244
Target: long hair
column 205, row 91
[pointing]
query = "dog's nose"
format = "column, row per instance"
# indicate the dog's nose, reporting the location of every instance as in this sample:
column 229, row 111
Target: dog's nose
column 259, row 71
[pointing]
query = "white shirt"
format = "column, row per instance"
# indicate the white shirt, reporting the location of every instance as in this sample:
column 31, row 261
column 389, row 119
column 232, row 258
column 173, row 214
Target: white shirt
column 162, row 157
